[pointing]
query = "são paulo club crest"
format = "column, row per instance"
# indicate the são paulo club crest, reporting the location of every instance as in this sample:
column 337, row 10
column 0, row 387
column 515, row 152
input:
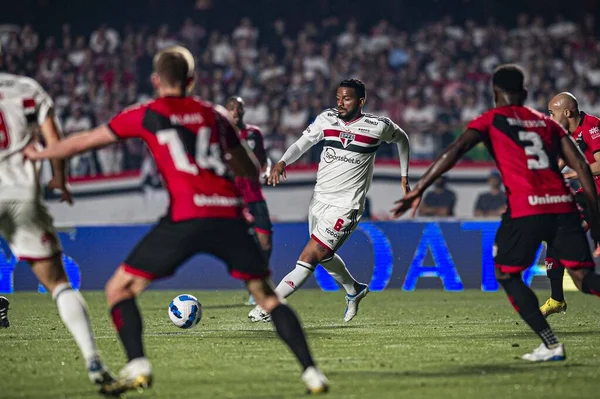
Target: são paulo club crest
column 346, row 139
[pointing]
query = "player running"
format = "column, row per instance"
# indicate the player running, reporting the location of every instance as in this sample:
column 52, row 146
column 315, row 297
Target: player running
column 351, row 139
column 526, row 146
column 195, row 146
column 585, row 130
column 250, row 187
column 25, row 109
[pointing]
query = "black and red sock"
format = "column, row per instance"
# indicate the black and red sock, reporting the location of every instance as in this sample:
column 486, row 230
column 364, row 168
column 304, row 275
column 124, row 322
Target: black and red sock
column 128, row 322
column 526, row 304
column 555, row 272
column 289, row 329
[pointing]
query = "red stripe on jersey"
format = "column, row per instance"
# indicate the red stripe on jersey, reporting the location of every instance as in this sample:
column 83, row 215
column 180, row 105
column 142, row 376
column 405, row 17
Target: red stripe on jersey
column 357, row 137
column 28, row 103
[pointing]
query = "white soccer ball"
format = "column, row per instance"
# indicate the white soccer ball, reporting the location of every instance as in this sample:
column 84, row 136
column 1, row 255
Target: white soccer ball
column 185, row 311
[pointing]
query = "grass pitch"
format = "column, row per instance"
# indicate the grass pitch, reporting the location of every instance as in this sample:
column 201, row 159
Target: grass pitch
column 423, row 344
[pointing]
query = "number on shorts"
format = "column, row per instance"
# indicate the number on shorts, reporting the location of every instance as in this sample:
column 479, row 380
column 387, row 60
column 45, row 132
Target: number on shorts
column 208, row 156
column 338, row 225
column 535, row 149
column 4, row 137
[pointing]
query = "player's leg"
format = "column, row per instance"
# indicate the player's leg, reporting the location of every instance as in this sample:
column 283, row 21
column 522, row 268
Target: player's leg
column 554, row 271
column 34, row 240
column 264, row 231
column 248, row 263
column 517, row 241
column 572, row 248
column 4, row 323
column 161, row 251
column 5, row 230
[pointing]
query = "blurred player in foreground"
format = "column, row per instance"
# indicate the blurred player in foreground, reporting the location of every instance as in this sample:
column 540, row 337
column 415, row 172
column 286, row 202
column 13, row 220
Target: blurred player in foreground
column 195, row 147
column 26, row 109
column 351, row 139
column 250, row 187
column 527, row 146
column 585, row 130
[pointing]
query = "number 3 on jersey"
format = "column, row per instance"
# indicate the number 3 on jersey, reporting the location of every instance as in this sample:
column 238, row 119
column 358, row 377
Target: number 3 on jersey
column 536, row 149
column 208, row 156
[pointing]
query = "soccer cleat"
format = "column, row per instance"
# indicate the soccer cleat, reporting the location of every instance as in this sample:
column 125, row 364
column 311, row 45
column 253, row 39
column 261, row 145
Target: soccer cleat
column 543, row 354
column 352, row 302
column 4, row 323
column 136, row 375
column 552, row 306
column 251, row 300
column 259, row 314
column 98, row 373
column 315, row 381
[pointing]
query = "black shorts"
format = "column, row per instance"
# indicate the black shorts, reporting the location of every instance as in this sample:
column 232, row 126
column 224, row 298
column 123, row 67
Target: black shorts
column 518, row 240
column 262, row 221
column 169, row 244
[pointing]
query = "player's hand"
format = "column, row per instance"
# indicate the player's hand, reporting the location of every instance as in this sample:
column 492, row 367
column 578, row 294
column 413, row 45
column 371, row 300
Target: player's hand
column 597, row 250
column 65, row 194
column 412, row 200
column 570, row 175
column 405, row 185
column 276, row 174
column 31, row 152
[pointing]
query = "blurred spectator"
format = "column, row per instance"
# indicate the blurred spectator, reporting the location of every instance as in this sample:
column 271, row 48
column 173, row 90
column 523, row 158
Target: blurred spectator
column 82, row 164
column 438, row 201
column 493, row 202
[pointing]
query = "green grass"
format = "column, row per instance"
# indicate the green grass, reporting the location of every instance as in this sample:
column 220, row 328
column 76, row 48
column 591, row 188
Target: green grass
column 424, row 344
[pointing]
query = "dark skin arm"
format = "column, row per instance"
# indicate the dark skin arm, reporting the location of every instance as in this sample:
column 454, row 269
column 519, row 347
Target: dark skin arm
column 242, row 161
column 575, row 161
column 445, row 162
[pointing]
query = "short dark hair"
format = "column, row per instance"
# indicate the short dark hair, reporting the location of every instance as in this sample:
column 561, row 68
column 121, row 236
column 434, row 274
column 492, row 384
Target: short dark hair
column 357, row 85
column 236, row 99
column 509, row 77
column 172, row 67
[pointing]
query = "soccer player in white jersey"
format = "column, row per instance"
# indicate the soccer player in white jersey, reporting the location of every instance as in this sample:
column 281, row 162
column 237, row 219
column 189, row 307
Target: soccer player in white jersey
column 25, row 109
column 343, row 180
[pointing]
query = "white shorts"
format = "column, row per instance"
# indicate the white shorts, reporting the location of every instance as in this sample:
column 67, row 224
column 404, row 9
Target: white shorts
column 330, row 225
column 29, row 231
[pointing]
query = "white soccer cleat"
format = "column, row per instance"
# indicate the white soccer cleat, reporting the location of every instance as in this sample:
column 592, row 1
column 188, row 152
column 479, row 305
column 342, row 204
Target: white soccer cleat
column 259, row 314
column 543, row 354
column 352, row 302
column 315, row 381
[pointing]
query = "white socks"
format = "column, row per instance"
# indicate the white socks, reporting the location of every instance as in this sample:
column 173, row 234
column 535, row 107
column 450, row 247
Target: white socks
column 295, row 279
column 73, row 312
column 337, row 269
column 303, row 270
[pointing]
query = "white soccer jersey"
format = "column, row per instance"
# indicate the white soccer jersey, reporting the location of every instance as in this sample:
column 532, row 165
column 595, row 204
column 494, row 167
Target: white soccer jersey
column 24, row 105
column 346, row 168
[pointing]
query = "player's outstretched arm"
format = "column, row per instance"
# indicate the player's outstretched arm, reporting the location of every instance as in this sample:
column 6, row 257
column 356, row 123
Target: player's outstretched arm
column 242, row 161
column 442, row 164
column 74, row 144
column 292, row 154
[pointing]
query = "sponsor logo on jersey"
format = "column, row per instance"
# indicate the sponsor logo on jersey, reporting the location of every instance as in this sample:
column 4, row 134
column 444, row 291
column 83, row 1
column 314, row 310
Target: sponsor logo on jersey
column 371, row 122
column 526, row 123
column 595, row 132
column 216, row 200
column 186, row 119
column 360, row 129
column 548, row 199
column 346, row 138
column 329, row 156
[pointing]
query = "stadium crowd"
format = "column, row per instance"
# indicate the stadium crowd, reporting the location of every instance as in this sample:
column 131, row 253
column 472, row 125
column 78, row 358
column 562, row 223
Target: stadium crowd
column 430, row 81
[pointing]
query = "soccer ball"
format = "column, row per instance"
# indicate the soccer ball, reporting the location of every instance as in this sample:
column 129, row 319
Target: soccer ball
column 185, row 311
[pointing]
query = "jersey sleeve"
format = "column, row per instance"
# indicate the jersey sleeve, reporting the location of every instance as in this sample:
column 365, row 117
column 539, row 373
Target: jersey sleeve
column 594, row 136
column 392, row 133
column 314, row 132
column 128, row 123
column 257, row 144
column 43, row 105
column 482, row 123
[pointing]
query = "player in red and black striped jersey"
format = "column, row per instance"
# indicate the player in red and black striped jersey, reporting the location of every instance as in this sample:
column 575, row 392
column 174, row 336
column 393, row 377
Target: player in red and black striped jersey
column 196, row 149
column 250, row 187
column 527, row 146
column 585, row 130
